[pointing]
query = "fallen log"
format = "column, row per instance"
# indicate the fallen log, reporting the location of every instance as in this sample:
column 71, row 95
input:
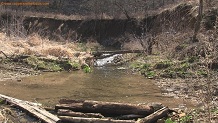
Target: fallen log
column 66, row 119
column 152, row 118
column 129, row 117
column 106, row 108
column 33, row 109
column 64, row 112
column 99, row 53
column 104, row 56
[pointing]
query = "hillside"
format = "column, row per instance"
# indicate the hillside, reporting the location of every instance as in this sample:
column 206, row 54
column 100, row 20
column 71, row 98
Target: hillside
column 96, row 8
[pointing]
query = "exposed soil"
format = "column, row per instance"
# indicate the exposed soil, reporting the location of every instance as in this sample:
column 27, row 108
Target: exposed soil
column 107, row 32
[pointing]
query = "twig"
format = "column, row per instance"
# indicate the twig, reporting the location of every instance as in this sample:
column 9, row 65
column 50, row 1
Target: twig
column 4, row 54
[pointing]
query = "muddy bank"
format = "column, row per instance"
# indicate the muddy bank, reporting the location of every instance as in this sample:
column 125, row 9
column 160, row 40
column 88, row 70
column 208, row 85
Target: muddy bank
column 15, row 71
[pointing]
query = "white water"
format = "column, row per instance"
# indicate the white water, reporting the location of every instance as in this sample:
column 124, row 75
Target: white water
column 106, row 61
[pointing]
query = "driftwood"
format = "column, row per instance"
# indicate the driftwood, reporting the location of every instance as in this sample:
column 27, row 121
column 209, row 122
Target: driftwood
column 33, row 109
column 152, row 118
column 64, row 112
column 105, row 108
column 92, row 120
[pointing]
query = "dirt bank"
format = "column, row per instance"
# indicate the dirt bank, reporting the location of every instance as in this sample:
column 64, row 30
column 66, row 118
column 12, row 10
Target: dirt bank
column 107, row 32
column 15, row 71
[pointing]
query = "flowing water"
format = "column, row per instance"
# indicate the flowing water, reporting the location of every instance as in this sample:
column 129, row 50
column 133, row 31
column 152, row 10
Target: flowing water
column 103, row 84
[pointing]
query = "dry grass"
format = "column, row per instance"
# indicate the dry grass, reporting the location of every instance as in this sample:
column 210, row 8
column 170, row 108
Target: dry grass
column 35, row 45
column 58, row 52
column 34, row 40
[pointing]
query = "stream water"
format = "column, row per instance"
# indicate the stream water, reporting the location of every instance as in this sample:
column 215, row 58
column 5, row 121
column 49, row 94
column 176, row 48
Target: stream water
column 103, row 84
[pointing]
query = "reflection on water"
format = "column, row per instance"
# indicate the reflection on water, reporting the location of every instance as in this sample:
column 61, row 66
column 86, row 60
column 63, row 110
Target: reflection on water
column 103, row 84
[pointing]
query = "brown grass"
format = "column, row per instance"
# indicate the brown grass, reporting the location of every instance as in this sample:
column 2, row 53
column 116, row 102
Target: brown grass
column 34, row 40
column 35, row 45
column 58, row 52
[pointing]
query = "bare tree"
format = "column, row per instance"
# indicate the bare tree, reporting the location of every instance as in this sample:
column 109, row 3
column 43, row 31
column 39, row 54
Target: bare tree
column 198, row 22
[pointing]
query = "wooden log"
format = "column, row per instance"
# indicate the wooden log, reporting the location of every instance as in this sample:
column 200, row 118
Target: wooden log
column 64, row 112
column 129, row 117
column 33, row 109
column 98, row 53
column 106, row 56
column 66, row 119
column 152, row 118
column 107, row 108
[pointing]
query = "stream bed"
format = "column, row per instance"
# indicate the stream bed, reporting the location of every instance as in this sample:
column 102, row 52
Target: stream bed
column 103, row 84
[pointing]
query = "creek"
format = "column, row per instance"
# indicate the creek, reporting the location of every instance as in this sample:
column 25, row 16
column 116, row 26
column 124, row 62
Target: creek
column 103, row 84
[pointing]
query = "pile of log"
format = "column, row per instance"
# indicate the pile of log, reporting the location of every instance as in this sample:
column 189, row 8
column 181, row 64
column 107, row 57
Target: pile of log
column 86, row 111
column 33, row 108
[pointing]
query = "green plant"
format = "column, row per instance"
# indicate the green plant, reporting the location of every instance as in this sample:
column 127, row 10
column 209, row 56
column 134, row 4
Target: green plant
column 183, row 67
column 75, row 66
column 2, row 101
column 135, row 65
column 32, row 61
column 87, row 69
column 168, row 74
column 185, row 119
column 163, row 64
column 150, row 74
column 52, row 66
column 145, row 66
column 169, row 120
column 202, row 72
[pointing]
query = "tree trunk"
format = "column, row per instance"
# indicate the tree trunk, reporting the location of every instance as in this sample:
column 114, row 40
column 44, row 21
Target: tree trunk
column 152, row 118
column 66, row 119
column 64, row 112
column 198, row 22
column 107, row 108
column 99, row 53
